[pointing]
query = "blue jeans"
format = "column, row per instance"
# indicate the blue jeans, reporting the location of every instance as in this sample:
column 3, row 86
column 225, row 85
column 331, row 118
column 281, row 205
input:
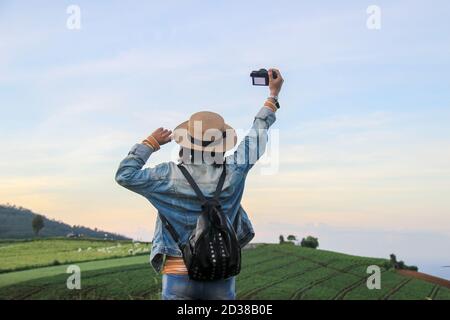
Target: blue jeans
column 180, row 287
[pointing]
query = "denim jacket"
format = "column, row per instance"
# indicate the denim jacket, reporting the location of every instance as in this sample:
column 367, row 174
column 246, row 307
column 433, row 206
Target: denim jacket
column 165, row 187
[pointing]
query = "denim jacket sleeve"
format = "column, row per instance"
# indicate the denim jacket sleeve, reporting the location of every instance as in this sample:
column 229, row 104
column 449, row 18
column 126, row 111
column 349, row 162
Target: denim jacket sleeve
column 253, row 146
column 142, row 181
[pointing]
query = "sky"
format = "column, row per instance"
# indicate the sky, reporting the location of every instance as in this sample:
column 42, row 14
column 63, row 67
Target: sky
column 361, row 152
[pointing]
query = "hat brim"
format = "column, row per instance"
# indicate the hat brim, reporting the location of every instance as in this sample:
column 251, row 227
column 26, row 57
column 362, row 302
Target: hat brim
column 180, row 136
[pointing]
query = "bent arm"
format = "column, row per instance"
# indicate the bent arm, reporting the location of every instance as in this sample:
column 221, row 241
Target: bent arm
column 130, row 174
column 253, row 146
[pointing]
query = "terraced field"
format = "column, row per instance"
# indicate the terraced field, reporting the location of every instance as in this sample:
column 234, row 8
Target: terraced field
column 269, row 272
column 20, row 255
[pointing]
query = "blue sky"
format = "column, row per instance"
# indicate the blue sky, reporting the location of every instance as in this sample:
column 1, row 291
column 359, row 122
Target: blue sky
column 363, row 126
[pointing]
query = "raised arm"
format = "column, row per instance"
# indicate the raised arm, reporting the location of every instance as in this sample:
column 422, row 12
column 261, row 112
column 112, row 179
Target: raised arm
column 130, row 173
column 254, row 143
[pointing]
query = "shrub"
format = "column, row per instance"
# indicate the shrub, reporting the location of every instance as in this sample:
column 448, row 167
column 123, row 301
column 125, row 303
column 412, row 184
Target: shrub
column 310, row 242
column 412, row 268
column 56, row 262
column 401, row 264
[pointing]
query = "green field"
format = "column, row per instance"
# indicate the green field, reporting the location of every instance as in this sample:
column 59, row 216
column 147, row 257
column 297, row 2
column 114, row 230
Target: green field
column 269, row 271
column 19, row 255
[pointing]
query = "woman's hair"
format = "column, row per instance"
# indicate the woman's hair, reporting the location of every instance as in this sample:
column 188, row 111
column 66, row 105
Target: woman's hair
column 197, row 156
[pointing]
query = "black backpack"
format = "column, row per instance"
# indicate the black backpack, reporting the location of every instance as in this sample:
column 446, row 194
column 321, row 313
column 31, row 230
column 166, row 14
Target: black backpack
column 212, row 251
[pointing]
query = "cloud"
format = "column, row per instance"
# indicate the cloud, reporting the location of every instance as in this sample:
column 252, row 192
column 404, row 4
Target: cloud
column 134, row 61
column 374, row 120
column 157, row 64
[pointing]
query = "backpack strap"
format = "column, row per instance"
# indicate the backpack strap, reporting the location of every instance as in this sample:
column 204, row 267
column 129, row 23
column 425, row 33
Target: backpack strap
column 169, row 228
column 236, row 221
column 197, row 190
column 192, row 182
column 221, row 182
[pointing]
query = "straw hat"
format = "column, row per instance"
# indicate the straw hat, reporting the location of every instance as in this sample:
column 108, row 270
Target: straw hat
column 205, row 131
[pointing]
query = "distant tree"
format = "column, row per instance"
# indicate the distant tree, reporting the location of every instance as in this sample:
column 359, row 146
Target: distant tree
column 310, row 242
column 393, row 261
column 291, row 237
column 37, row 224
column 400, row 264
column 281, row 239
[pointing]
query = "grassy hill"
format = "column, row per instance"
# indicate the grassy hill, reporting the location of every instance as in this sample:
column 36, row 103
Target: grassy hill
column 269, row 271
column 15, row 223
column 37, row 253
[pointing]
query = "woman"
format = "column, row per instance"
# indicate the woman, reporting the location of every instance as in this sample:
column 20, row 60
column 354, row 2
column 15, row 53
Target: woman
column 204, row 139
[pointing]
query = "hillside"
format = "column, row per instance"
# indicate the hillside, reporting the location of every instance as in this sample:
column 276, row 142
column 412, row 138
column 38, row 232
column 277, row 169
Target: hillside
column 269, row 271
column 21, row 255
column 15, row 223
